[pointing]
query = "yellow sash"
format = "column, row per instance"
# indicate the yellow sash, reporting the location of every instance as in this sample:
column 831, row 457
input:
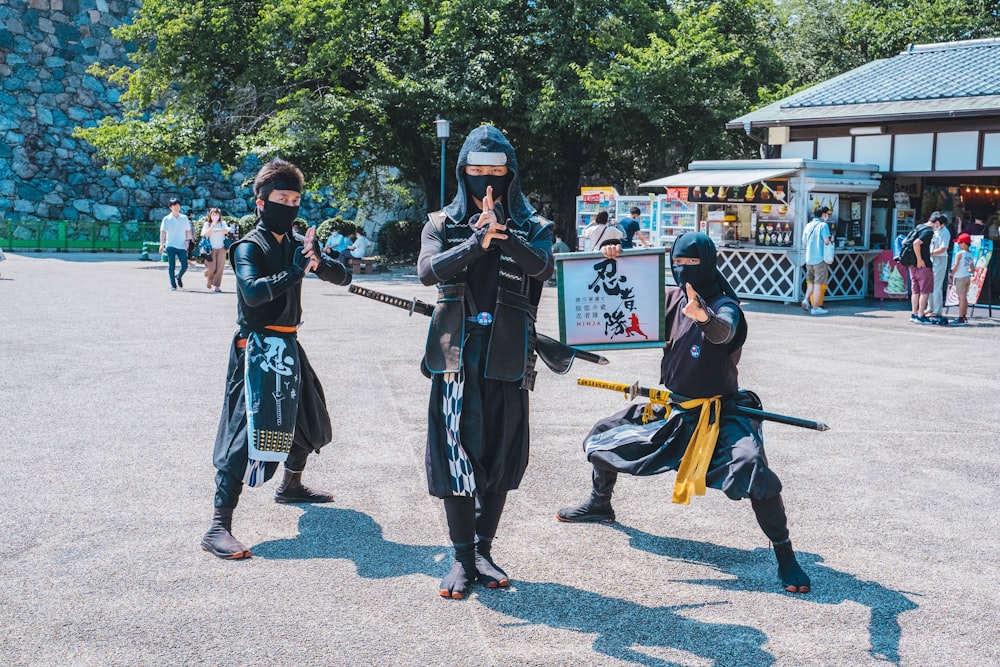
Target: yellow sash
column 698, row 455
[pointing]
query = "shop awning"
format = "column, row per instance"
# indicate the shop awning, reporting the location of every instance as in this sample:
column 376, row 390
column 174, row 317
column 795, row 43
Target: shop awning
column 717, row 178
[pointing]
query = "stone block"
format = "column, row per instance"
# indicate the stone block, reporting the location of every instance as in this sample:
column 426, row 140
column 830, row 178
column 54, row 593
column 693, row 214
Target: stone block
column 104, row 213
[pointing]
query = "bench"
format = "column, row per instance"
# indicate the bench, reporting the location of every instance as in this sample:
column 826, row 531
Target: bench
column 362, row 265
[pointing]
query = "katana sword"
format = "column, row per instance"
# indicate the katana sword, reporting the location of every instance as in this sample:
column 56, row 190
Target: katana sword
column 417, row 306
column 662, row 396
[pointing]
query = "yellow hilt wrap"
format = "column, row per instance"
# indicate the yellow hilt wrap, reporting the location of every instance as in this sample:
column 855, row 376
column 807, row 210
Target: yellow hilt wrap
column 631, row 391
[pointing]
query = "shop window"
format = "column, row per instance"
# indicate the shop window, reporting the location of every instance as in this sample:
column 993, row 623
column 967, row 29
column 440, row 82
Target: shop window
column 912, row 152
column 991, row 150
column 956, row 151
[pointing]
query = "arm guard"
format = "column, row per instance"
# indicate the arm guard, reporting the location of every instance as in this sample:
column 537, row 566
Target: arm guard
column 534, row 255
column 435, row 264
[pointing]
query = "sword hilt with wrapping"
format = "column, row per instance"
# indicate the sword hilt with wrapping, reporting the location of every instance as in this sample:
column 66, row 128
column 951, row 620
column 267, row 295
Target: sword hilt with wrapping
column 662, row 397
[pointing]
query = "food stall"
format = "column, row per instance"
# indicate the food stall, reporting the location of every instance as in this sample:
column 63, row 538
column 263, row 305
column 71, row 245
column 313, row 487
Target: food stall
column 756, row 210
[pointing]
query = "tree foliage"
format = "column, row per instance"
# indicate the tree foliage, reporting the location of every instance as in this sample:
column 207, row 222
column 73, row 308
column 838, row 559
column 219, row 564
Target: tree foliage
column 588, row 91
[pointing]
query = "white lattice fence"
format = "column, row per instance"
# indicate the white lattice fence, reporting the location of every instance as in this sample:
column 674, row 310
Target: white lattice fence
column 760, row 274
column 848, row 276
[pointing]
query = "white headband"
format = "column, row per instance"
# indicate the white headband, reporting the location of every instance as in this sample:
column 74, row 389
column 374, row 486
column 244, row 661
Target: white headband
column 483, row 159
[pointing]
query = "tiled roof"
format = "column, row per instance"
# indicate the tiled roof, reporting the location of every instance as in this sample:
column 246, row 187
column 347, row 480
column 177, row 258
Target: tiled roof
column 926, row 79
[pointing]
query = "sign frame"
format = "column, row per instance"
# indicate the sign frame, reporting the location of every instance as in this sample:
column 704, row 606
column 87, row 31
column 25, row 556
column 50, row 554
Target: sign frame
column 582, row 276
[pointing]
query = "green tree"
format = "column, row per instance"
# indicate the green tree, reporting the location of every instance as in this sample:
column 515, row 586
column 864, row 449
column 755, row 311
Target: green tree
column 610, row 91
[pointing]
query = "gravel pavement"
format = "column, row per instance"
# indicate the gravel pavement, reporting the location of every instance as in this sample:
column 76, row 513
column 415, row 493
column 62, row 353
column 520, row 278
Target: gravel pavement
column 110, row 391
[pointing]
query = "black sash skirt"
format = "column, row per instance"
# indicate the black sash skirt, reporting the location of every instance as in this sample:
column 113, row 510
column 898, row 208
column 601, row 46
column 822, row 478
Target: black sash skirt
column 739, row 469
column 493, row 425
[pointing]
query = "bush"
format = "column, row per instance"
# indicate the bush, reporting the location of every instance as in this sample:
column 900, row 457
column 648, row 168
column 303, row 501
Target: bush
column 345, row 227
column 400, row 241
column 246, row 224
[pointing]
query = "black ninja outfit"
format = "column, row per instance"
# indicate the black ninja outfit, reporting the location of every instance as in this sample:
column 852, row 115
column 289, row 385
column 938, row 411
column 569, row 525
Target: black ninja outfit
column 269, row 280
column 700, row 362
column 479, row 354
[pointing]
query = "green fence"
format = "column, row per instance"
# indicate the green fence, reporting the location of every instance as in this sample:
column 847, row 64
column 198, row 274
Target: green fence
column 78, row 235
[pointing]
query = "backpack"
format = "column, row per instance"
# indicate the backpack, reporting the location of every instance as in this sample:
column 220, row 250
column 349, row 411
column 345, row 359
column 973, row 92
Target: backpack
column 907, row 256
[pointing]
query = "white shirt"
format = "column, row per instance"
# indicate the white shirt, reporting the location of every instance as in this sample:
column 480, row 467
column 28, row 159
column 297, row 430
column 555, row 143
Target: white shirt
column 361, row 247
column 177, row 230
column 216, row 235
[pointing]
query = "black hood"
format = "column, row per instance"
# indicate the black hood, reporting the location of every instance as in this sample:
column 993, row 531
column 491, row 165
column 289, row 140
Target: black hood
column 488, row 139
column 708, row 283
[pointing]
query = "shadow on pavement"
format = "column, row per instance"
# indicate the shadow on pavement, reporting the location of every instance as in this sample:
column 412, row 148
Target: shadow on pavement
column 621, row 625
column 755, row 570
column 329, row 532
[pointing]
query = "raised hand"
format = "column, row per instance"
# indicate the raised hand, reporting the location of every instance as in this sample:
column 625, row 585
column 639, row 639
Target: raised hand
column 694, row 308
column 489, row 218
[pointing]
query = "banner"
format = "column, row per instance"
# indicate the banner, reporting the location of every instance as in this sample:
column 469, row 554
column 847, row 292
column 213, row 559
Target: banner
column 982, row 251
column 891, row 277
column 612, row 303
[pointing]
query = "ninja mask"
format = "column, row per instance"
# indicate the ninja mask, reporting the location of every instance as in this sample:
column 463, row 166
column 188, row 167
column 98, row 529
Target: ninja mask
column 278, row 218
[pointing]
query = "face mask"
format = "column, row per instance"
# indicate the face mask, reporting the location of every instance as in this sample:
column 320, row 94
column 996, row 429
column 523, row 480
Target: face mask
column 687, row 273
column 476, row 185
column 278, row 218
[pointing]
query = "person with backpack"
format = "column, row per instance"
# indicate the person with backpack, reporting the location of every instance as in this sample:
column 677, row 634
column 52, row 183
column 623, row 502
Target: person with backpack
column 921, row 273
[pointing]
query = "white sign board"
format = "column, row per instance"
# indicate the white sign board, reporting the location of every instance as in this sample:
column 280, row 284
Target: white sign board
column 611, row 303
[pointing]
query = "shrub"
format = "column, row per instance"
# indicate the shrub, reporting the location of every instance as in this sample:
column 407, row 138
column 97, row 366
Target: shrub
column 345, row 227
column 400, row 241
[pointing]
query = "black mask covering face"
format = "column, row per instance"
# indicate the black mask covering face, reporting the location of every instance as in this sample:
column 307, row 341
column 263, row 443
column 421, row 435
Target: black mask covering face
column 476, row 185
column 278, row 218
column 686, row 273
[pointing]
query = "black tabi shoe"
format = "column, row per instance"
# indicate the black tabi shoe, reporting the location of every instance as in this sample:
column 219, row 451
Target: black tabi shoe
column 219, row 540
column 489, row 574
column 293, row 491
column 596, row 509
column 457, row 584
column 793, row 578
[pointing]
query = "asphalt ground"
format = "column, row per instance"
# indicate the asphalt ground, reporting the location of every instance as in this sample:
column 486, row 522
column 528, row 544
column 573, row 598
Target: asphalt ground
column 110, row 391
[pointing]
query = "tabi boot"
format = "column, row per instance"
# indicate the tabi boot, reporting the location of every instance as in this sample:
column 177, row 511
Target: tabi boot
column 793, row 578
column 458, row 582
column 489, row 574
column 293, row 491
column 596, row 509
column 219, row 540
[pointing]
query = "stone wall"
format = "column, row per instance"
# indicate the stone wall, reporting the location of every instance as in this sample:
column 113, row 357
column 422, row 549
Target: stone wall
column 46, row 47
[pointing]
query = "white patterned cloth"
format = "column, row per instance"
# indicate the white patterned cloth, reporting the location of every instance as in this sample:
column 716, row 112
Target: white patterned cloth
column 463, row 480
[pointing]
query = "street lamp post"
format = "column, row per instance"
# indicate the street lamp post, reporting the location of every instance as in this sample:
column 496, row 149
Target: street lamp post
column 443, row 132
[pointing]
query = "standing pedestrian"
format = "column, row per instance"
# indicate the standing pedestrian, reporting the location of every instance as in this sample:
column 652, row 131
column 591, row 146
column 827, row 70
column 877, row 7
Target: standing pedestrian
column 816, row 237
column 175, row 235
column 630, row 226
column 274, row 410
column 940, row 243
column 961, row 274
column 215, row 230
column 489, row 253
column 921, row 275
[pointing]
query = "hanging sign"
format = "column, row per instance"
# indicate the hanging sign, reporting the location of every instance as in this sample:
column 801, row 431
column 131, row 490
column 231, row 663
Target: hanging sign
column 763, row 192
column 612, row 303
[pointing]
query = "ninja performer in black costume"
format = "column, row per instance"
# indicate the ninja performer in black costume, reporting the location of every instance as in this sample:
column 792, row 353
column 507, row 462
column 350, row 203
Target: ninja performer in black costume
column 703, row 437
column 275, row 410
column 489, row 253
